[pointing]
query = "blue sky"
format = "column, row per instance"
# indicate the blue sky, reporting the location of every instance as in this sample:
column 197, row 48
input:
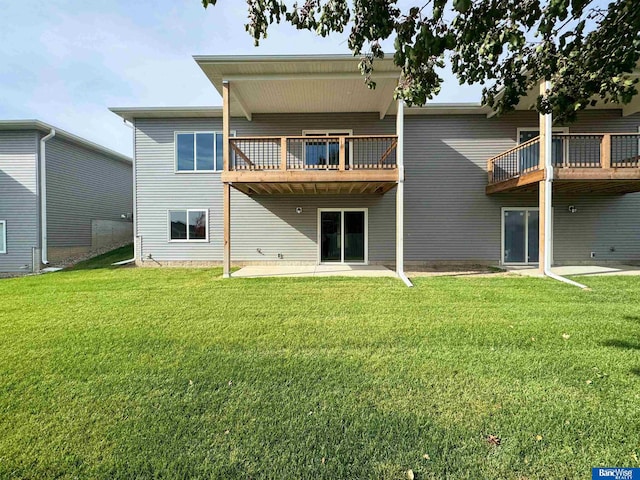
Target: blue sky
column 66, row 61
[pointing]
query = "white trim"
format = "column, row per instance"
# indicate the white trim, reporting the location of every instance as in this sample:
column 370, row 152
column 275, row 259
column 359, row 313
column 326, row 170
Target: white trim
column 537, row 129
column 264, row 77
column 366, row 235
column 327, row 133
column 195, row 153
column 4, row 236
column 187, row 210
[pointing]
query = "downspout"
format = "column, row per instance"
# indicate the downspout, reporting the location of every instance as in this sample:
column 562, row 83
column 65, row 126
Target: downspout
column 43, row 195
column 132, row 126
column 400, row 196
column 548, row 198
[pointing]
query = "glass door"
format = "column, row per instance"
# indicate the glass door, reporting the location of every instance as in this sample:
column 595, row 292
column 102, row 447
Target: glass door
column 520, row 227
column 530, row 156
column 324, row 153
column 343, row 236
column 330, row 237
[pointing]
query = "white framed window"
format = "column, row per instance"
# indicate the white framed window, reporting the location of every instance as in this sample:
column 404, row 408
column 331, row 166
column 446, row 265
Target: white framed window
column 188, row 225
column 198, row 152
column 3, row 236
column 324, row 153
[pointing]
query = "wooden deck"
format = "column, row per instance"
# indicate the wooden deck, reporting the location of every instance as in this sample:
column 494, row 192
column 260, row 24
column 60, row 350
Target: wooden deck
column 583, row 163
column 309, row 165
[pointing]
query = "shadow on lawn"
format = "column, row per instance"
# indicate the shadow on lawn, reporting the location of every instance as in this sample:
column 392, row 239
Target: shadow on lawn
column 621, row 344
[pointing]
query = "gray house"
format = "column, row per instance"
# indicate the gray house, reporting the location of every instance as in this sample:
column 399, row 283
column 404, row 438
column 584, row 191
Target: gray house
column 60, row 195
column 304, row 165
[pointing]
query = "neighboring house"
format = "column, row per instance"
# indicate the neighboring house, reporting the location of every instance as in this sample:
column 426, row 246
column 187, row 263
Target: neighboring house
column 320, row 169
column 60, row 196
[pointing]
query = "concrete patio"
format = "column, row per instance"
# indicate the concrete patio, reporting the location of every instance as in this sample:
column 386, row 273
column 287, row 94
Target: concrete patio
column 257, row 271
column 577, row 270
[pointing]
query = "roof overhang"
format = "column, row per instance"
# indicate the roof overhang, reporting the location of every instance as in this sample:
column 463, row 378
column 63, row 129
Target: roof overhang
column 131, row 113
column 528, row 101
column 43, row 127
column 301, row 84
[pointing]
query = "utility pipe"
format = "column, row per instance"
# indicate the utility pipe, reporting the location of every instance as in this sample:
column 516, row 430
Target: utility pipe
column 548, row 198
column 400, row 196
column 132, row 126
column 43, row 195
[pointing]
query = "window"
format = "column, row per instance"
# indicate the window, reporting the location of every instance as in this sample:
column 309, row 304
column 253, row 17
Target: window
column 188, row 225
column 199, row 151
column 325, row 153
column 3, row 236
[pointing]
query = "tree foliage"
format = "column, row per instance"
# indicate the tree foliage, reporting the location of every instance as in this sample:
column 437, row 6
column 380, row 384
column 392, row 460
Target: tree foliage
column 587, row 51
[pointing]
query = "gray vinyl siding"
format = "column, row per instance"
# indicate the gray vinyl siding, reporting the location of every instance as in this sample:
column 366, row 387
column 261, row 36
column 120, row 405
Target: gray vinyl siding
column 262, row 226
column 19, row 198
column 448, row 217
column 83, row 185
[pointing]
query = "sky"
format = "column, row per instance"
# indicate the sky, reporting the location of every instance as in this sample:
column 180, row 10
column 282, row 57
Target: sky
column 65, row 62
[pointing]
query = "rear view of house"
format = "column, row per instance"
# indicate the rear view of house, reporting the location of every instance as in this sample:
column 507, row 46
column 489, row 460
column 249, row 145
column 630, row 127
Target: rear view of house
column 304, row 164
column 60, row 196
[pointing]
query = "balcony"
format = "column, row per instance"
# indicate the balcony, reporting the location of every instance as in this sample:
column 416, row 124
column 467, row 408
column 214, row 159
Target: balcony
column 604, row 163
column 361, row 164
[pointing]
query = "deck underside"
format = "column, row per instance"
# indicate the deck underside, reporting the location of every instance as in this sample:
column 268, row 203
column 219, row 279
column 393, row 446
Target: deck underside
column 579, row 181
column 330, row 188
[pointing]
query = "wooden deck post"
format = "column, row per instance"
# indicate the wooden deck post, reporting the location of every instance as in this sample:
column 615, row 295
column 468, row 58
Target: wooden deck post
column 283, row 154
column 605, row 151
column 226, row 191
column 542, row 185
column 342, row 154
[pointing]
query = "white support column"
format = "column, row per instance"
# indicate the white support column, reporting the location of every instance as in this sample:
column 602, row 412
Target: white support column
column 226, row 188
column 546, row 195
column 400, row 195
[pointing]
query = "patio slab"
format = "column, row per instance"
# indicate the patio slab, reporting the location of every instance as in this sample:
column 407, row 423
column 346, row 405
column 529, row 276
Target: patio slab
column 579, row 270
column 257, row 271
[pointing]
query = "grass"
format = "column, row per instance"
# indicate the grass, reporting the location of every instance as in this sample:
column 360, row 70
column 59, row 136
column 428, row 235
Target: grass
column 176, row 373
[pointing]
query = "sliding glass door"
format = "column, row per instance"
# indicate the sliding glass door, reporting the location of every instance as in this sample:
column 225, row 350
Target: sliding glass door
column 520, row 227
column 342, row 236
column 320, row 153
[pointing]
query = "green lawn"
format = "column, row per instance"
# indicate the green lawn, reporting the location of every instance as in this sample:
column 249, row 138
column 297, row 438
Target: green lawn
column 175, row 373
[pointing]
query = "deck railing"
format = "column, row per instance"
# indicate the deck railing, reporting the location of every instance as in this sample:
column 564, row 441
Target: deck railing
column 523, row 158
column 313, row 153
column 569, row 150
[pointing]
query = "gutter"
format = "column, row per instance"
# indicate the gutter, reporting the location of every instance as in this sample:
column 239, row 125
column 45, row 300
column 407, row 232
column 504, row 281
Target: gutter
column 43, row 195
column 548, row 198
column 134, row 208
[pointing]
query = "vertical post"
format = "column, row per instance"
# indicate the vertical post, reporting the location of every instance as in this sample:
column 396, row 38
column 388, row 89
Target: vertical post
column 226, row 200
column 542, row 131
column 400, row 190
column 605, row 151
column 283, row 154
column 341, row 161
column 545, row 240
